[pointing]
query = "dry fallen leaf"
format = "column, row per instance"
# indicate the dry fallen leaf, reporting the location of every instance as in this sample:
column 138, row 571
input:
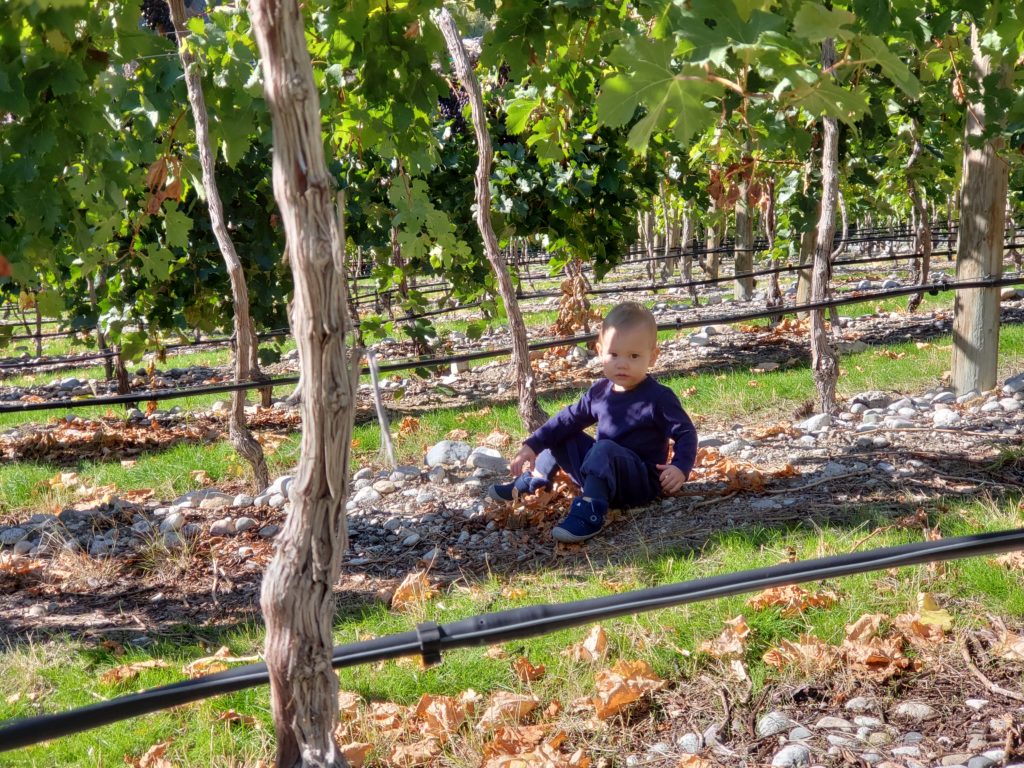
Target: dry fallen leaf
column 732, row 643
column 622, row 685
column 154, row 757
column 505, row 707
column 930, row 612
column 593, row 648
column 793, row 599
column 695, row 761
column 415, row 754
column 387, row 716
column 414, row 590
column 440, row 716
column 1010, row 647
column 218, row 662
column 200, row 476
column 808, row 654
column 497, row 439
column 457, row 434
column 234, row 718
column 129, row 671
column 527, row 672
column 348, row 705
column 355, row 753
column 1012, row 560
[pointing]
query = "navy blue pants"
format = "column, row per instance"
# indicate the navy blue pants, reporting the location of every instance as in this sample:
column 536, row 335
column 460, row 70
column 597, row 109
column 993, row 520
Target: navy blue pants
column 602, row 465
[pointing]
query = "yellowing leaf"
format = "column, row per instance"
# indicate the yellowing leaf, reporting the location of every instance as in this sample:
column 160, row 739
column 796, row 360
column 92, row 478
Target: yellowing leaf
column 218, row 662
column 931, row 613
column 622, row 685
column 414, row 590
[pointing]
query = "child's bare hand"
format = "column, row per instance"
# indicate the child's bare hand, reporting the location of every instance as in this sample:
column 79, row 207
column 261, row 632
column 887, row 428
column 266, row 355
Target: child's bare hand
column 672, row 479
column 525, row 456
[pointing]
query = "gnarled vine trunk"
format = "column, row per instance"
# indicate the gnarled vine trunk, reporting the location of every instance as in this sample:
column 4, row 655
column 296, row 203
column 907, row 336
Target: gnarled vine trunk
column 921, row 265
column 824, row 363
column 245, row 338
column 743, row 248
column 298, row 598
column 529, row 409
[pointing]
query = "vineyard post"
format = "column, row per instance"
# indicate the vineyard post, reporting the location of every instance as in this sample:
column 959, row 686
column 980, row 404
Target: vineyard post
column 529, row 409
column 743, row 248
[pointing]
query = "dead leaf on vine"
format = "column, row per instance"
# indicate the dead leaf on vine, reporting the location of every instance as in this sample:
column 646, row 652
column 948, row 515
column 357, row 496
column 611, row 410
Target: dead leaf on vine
column 527, row 672
column 414, row 590
column 593, row 648
column 793, row 599
column 622, row 685
column 130, row 671
column 731, row 643
column 506, row 707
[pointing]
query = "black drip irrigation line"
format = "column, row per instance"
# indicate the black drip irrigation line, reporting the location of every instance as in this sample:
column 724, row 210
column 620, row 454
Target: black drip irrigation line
column 429, row 640
column 405, row 365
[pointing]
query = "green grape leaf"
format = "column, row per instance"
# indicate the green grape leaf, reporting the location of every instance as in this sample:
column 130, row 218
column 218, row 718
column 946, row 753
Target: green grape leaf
column 875, row 50
column 815, row 23
column 177, row 226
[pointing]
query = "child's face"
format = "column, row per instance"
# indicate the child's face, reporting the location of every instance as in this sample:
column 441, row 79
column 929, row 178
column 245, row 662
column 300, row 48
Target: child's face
column 626, row 355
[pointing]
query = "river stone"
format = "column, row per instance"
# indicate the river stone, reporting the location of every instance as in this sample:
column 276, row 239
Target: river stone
column 24, row 547
column 11, row 536
column 244, row 524
column 773, row 723
column 946, row 396
column 223, row 527
column 1014, row 384
column 873, row 398
column 814, row 423
column 700, row 339
column 363, row 474
column 277, row 501
column 976, row 704
column 690, row 743
column 945, row 418
column 915, row 711
column 173, row 522
column 792, row 756
column 216, row 501
column 483, row 457
column 834, row 723
column 269, row 531
column 955, row 759
column 384, row 487
column 411, row 540
column 800, row 734
column 447, row 452
column 980, row 761
column 1009, row 404
column 242, row 500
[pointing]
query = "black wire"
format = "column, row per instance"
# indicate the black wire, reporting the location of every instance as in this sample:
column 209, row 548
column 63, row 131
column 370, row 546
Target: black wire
column 514, row 624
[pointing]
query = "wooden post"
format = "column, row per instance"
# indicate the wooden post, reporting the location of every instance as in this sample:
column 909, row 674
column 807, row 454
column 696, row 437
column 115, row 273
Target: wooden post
column 743, row 247
column 529, row 409
column 980, row 248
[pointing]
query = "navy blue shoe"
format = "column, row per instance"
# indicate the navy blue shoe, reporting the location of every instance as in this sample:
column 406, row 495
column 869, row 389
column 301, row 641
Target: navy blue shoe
column 584, row 521
column 524, row 484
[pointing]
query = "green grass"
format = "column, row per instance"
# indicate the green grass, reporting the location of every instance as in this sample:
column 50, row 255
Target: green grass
column 65, row 672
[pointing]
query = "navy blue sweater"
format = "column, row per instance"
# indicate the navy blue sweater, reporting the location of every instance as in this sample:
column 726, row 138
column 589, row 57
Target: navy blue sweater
column 641, row 419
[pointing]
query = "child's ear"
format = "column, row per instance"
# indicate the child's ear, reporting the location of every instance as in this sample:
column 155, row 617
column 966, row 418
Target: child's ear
column 654, row 354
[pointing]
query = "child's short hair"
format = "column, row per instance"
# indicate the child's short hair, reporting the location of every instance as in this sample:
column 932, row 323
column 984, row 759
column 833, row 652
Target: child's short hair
column 630, row 314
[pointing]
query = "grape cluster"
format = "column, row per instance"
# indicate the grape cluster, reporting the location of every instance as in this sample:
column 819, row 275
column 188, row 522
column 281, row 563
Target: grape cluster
column 451, row 108
column 157, row 16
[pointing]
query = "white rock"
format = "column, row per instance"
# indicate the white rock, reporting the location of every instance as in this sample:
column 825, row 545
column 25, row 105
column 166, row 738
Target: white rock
column 242, row 500
column 946, row 418
column 447, row 452
column 384, row 487
column 815, row 423
column 488, row 459
column 1009, row 404
column 690, row 743
column 792, row 756
column 223, row 527
column 411, row 540
column 1014, row 384
column 366, row 497
column 277, row 501
column 173, row 522
column 833, row 723
column 363, row 474
column 915, row 711
column 946, row 396
column 976, row 704
column 216, row 501
column 700, row 339
column 773, row 723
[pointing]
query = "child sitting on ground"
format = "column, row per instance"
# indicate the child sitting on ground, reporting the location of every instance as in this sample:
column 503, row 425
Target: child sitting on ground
column 627, row 465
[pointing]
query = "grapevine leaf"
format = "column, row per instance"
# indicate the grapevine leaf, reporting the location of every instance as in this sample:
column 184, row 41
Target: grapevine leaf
column 177, row 226
column 617, row 101
column 874, row 49
column 815, row 23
